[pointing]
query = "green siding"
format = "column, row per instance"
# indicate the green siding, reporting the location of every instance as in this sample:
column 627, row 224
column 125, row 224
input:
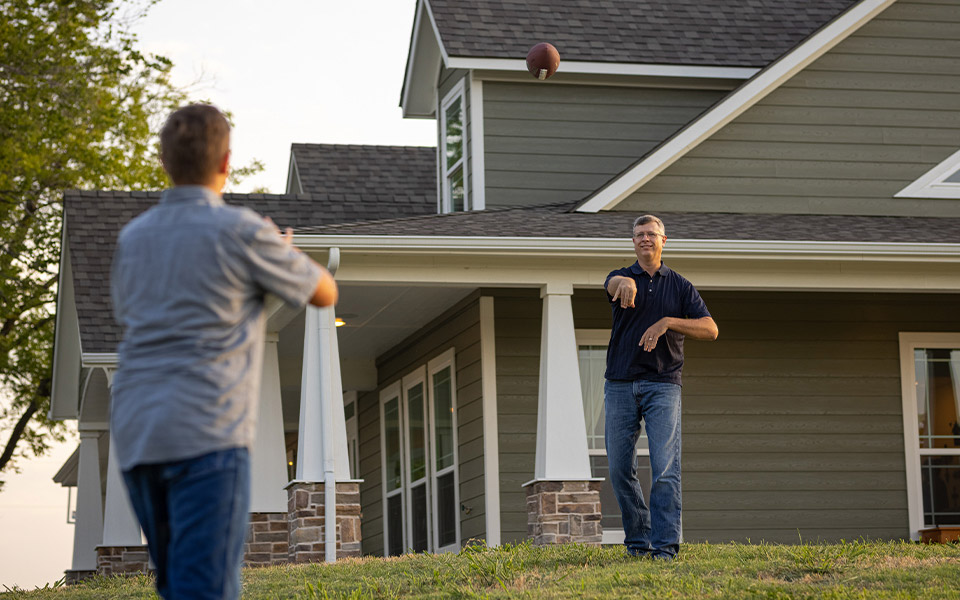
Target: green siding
column 843, row 136
column 554, row 143
column 458, row 328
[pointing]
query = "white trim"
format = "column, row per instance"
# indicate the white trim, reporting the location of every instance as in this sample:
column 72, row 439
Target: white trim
column 67, row 344
column 563, row 246
column 733, row 105
column 444, row 360
column 353, row 433
column 932, row 184
column 388, row 393
column 602, row 68
column 436, row 33
column 478, row 188
column 455, row 93
column 416, row 377
column 291, row 169
column 411, row 57
column 909, row 341
column 491, row 445
column 99, row 359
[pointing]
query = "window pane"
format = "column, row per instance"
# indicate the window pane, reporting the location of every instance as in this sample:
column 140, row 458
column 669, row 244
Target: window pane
column 454, row 133
column 391, row 435
column 443, row 417
column 418, row 501
column 417, row 432
column 394, row 525
column 941, row 490
column 609, row 509
column 938, row 397
column 593, row 364
column 455, row 189
column 446, row 510
column 955, row 178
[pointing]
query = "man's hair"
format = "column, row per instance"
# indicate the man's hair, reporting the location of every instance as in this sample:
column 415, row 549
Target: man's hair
column 648, row 219
column 193, row 141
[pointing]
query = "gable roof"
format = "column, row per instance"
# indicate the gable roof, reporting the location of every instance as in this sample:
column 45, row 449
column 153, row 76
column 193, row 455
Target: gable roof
column 725, row 111
column 746, row 33
column 404, row 171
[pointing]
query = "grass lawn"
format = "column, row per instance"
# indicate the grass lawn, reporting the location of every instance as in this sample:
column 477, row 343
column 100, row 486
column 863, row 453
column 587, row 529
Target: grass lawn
column 832, row 571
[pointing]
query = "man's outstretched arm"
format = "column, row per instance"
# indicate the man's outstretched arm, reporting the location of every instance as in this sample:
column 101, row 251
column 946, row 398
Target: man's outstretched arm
column 704, row 328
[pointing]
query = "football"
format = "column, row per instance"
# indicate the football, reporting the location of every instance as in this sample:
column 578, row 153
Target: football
column 543, row 60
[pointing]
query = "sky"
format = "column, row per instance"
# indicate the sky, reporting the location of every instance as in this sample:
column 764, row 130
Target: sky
column 289, row 71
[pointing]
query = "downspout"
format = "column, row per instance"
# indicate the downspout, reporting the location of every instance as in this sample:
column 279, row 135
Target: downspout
column 328, row 394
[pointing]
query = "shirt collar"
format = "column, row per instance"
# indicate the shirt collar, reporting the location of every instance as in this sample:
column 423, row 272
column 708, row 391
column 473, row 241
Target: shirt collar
column 664, row 270
column 191, row 194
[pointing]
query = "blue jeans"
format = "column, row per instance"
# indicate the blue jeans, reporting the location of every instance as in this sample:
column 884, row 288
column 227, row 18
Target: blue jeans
column 656, row 530
column 194, row 513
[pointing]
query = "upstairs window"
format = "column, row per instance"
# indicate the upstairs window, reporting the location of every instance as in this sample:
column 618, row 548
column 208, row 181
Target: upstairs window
column 942, row 181
column 453, row 197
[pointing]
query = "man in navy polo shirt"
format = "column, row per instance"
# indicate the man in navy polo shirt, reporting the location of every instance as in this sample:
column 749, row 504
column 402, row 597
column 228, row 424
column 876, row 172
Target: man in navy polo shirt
column 654, row 308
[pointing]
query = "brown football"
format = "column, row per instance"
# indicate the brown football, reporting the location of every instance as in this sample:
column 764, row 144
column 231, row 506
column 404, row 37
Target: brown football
column 543, row 60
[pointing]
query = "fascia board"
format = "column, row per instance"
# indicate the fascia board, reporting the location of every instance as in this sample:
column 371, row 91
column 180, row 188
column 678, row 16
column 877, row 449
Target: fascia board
column 293, row 171
column 734, row 105
column 599, row 68
column 423, row 25
column 67, row 344
column 562, row 247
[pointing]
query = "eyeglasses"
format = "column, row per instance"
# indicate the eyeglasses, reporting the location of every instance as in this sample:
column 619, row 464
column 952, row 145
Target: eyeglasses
column 647, row 234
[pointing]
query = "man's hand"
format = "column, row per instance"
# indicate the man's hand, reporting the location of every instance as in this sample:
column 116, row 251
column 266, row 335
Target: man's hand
column 623, row 289
column 652, row 335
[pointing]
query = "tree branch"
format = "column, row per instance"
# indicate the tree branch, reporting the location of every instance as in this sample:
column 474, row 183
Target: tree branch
column 16, row 433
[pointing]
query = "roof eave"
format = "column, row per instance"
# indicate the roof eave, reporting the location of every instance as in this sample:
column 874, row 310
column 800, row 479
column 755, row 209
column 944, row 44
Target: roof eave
column 418, row 97
column 67, row 349
column 754, row 90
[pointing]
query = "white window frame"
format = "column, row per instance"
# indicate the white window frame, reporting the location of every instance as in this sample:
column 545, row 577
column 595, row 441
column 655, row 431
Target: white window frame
column 601, row 337
column 447, row 359
column 446, row 202
column 353, row 436
column 388, row 393
column 410, row 380
column 910, row 341
column 932, row 184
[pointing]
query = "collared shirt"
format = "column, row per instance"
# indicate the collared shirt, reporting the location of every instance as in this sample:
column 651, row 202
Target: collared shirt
column 666, row 294
column 188, row 282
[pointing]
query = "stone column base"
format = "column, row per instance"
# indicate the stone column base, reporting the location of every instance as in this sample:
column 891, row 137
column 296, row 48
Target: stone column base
column 564, row 512
column 306, row 522
column 73, row 577
column 122, row 560
column 268, row 540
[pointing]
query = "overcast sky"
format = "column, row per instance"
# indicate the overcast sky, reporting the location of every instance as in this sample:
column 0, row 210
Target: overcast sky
column 290, row 71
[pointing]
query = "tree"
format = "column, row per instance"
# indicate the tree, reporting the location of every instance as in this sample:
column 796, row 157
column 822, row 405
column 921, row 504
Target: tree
column 79, row 108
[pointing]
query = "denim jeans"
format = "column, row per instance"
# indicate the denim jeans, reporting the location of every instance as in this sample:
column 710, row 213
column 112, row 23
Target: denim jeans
column 194, row 513
column 654, row 530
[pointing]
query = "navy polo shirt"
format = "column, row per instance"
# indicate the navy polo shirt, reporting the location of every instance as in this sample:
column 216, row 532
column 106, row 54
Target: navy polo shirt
column 666, row 294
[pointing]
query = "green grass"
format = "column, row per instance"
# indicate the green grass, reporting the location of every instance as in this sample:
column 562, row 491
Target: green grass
column 849, row 570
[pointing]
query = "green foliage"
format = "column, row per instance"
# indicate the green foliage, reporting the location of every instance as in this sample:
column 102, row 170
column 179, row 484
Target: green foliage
column 79, row 109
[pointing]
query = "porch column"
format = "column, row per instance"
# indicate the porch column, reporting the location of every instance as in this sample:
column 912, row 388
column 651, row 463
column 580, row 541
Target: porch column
column 122, row 551
column 88, row 530
column 323, row 486
column 267, row 542
column 563, row 499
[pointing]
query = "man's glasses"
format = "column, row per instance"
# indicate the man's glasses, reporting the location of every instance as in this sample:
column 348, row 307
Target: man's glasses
column 646, row 234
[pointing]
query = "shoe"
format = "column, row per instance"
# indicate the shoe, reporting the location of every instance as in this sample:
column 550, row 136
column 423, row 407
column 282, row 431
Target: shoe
column 638, row 552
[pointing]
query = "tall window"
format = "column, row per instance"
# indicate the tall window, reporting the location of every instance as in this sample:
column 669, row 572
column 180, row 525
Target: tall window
column 453, row 152
column 419, row 446
column 930, row 372
column 592, row 350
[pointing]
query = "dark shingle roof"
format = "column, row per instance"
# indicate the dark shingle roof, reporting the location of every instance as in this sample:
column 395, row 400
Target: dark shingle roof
column 386, row 181
column 744, row 33
column 558, row 220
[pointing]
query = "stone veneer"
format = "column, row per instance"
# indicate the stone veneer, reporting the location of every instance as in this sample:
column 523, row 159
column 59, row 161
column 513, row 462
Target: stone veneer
column 268, row 540
column 73, row 577
column 305, row 508
column 122, row 560
column 563, row 512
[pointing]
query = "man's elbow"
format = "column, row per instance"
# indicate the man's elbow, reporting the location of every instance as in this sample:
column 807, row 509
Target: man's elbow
column 712, row 332
column 326, row 293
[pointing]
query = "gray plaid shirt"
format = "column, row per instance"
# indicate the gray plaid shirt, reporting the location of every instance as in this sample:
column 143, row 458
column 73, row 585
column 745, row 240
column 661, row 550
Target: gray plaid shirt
column 188, row 283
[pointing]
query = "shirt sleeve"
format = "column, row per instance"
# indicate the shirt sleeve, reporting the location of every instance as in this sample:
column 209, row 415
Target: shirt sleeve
column 278, row 268
column 693, row 305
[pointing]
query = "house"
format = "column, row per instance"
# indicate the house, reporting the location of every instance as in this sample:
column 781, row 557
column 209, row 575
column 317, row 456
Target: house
column 805, row 159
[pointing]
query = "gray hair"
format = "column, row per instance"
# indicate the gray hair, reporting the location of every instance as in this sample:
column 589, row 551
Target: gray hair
column 643, row 220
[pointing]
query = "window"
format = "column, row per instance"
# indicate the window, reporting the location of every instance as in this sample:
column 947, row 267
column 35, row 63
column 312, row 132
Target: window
column 419, row 448
column 930, row 376
column 592, row 350
column 353, row 439
column 942, row 181
column 453, row 196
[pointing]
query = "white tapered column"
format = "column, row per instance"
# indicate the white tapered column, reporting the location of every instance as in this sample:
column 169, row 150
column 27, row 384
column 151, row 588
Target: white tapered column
column 120, row 525
column 268, row 457
column 561, row 428
column 88, row 531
